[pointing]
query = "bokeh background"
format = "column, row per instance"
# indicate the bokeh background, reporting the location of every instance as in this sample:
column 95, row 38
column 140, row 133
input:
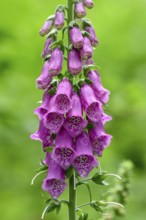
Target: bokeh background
column 121, row 55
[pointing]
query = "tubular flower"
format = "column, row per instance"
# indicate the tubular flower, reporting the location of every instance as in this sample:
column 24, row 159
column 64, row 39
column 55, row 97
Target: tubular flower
column 43, row 135
column 52, row 119
column 84, row 161
column 63, row 94
column 47, row 50
column 99, row 138
column 91, row 105
column 93, row 38
column 55, row 180
column 74, row 62
column 42, row 110
column 105, row 118
column 75, row 123
column 88, row 3
column 86, row 51
column 45, row 78
column 47, row 27
column 55, row 62
column 80, row 10
column 101, row 93
column 76, row 37
column 59, row 20
column 63, row 153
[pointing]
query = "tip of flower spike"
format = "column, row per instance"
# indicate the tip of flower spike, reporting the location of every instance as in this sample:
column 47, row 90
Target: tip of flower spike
column 54, row 186
column 53, row 121
column 63, row 103
column 94, row 111
column 84, row 164
column 74, row 125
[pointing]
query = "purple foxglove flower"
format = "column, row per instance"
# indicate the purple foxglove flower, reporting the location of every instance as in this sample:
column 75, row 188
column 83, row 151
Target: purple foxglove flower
column 47, row 27
column 75, row 123
column 47, row 50
column 42, row 110
column 101, row 93
column 55, row 62
column 105, row 118
column 74, row 62
column 88, row 61
column 84, row 160
column 52, row 119
column 63, row 153
column 88, row 3
column 59, row 20
column 99, row 138
column 92, row 37
column 47, row 159
column 80, row 10
column 43, row 135
column 55, row 180
column 76, row 37
column 91, row 105
column 86, row 51
column 45, row 78
column 63, row 94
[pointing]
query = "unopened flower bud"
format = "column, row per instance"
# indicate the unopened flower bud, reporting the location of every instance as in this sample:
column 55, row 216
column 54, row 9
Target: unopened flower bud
column 59, row 20
column 86, row 51
column 88, row 3
column 47, row 50
column 74, row 62
column 93, row 38
column 55, row 62
column 47, row 27
column 76, row 37
column 80, row 10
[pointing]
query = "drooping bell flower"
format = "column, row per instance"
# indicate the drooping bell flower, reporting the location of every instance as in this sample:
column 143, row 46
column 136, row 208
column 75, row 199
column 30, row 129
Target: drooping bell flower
column 74, row 62
column 93, row 38
column 75, row 123
column 52, row 119
column 84, row 161
column 59, row 20
column 86, row 51
column 80, row 10
column 63, row 152
column 43, row 81
column 47, row 50
column 43, row 135
column 76, row 37
column 63, row 95
column 88, row 3
column 47, row 27
column 91, row 105
column 101, row 93
column 54, row 183
column 99, row 138
column 43, row 108
column 55, row 62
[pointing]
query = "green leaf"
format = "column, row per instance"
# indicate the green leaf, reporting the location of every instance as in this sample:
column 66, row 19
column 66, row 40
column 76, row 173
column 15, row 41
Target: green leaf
column 90, row 126
column 51, row 17
column 47, row 57
column 60, row 8
column 49, row 149
column 88, row 81
column 86, row 34
column 99, row 178
column 60, row 76
column 52, row 91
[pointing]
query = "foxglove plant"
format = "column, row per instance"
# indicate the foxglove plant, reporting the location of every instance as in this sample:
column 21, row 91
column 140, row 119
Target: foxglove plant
column 71, row 114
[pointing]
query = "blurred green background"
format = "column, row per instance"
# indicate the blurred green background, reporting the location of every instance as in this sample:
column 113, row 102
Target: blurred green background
column 121, row 54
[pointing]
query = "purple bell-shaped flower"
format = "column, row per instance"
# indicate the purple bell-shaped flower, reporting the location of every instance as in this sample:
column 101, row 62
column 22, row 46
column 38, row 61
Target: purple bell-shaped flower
column 55, row 62
column 74, row 62
column 59, row 20
column 76, row 37
column 80, row 10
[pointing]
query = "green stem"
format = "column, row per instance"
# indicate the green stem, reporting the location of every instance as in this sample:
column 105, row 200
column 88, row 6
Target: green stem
column 72, row 184
column 72, row 198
